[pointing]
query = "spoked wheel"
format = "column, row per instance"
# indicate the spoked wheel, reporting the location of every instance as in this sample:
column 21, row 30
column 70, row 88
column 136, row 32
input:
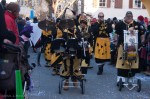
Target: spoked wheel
column 82, row 86
column 138, row 85
column 120, row 84
column 60, row 87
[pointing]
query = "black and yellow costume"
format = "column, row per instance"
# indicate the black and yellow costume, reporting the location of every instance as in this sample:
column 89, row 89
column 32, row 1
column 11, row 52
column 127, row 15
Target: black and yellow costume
column 86, row 34
column 72, row 33
column 101, row 43
column 123, row 68
column 55, row 56
column 46, row 38
column 71, row 64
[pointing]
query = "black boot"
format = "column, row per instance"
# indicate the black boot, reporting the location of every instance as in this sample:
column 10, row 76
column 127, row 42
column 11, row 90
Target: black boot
column 100, row 69
column 112, row 59
column 58, row 69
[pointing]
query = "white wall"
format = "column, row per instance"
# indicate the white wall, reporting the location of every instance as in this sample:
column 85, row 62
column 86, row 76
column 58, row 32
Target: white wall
column 125, row 4
column 113, row 12
column 8, row 1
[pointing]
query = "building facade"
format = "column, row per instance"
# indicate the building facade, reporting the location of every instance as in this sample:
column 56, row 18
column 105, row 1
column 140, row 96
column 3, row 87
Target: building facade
column 115, row 8
column 29, row 3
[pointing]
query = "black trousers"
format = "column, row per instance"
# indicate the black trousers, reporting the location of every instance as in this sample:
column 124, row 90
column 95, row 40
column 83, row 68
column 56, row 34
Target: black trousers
column 26, row 46
column 126, row 72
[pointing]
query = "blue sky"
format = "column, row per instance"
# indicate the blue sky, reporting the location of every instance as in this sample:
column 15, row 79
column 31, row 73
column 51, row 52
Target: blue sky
column 10, row 1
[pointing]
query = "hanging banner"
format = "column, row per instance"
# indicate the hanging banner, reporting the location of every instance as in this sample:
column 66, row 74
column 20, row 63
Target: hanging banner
column 37, row 32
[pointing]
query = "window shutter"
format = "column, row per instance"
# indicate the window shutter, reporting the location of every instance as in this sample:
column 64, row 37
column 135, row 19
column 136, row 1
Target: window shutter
column 95, row 3
column 118, row 3
column 143, row 7
column 108, row 3
column 130, row 3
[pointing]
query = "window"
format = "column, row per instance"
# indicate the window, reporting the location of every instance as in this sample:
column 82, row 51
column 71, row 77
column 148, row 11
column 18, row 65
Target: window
column 59, row 8
column 102, row 3
column 137, row 4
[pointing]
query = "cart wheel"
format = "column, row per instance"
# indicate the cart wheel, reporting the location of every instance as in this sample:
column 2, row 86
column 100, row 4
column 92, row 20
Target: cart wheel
column 60, row 87
column 82, row 86
column 120, row 84
column 138, row 85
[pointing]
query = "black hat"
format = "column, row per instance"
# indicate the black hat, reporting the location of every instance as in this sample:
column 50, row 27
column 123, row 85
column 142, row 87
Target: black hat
column 129, row 12
column 35, row 20
column 114, row 18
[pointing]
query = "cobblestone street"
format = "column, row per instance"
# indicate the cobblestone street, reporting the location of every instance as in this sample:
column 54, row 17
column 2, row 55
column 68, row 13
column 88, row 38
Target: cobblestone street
column 45, row 86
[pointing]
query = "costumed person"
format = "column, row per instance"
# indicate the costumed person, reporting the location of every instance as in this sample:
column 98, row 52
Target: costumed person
column 48, row 33
column 55, row 55
column 86, row 40
column 72, row 43
column 101, row 31
column 123, row 68
column 71, row 63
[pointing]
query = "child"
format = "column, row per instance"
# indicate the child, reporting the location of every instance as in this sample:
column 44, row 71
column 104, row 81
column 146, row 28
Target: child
column 25, row 35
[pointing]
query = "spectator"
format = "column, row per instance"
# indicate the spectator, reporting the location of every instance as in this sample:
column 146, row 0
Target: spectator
column 93, row 20
column 35, row 20
column 25, row 35
column 11, row 14
column 27, row 19
column 115, row 20
column 3, row 4
column 141, row 20
column 20, row 23
column 2, row 20
column 146, row 21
